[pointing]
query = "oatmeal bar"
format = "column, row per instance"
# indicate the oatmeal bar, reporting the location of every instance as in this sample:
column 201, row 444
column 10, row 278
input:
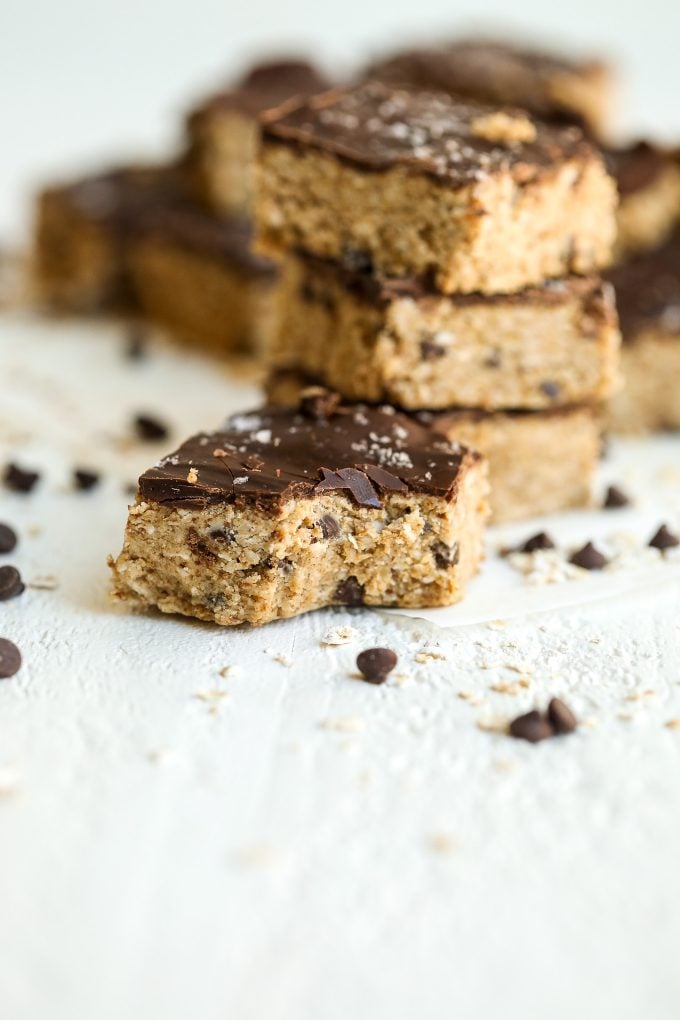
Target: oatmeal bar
column 222, row 131
column 648, row 297
column 419, row 184
column 551, row 87
column 648, row 181
column 282, row 512
column 375, row 339
column 83, row 236
column 195, row 275
column 539, row 461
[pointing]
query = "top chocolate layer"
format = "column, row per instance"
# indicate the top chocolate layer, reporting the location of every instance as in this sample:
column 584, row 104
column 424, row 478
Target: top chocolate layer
column 636, row 167
column 648, row 291
column 121, row 197
column 268, row 85
column 377, row 127
column 190, row 226
column 490, row 71
column 270, row 456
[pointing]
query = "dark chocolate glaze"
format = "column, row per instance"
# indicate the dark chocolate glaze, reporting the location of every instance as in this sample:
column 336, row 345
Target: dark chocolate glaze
column 120, row 198
column 648, row 291
column 269, row 456
column 190, row 226
column 372, row 287
column 267, row 85
column 152, row 201
column 637, row 166
column 377, row 127
column 490, row 71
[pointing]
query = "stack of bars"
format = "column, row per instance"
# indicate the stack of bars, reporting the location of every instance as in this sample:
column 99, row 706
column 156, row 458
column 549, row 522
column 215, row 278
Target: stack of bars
column 442, row 256
column 646, row 278
column 173, row 242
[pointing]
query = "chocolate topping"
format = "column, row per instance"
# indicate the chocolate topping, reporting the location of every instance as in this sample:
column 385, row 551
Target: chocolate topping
column 487, row 70
column 372, row 287
column 648, row 290
column 270, row 456
column 267, row 85
column 188, row 225
column 376, row 128
column 121, row 198
column 636, row 167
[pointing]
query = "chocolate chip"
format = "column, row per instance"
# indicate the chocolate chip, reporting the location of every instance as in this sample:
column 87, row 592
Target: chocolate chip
column 150, row 429
column 431, row 351
column 664, row 539
column 8, row 538
column 541, row 540
column 318, row 403
column 445, row 556
column 561, row 717
column 615, row 498
column 11, row 584
column 330, row 526
column 533, row 726
column 84, row 479
column 10, row 658
column 589, row 558
column 19, row 479
column 376, row 664
column 494, row 360
column 350, row 593
column 226, row 535
column 356, row 261
column 135, row 348
column 550, row 389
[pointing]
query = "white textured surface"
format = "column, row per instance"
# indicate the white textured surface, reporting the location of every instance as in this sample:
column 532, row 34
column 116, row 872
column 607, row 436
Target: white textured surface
column 292, row 843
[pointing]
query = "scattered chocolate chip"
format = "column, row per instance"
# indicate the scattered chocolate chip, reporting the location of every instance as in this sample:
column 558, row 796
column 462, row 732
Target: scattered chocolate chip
column 541, row 540
column 150, row 429
column 615, row 498
column 85, row 480
column 10, row 658
column 550, row 389
column 561, row 717
column 135, row 348
column 494, row 360
column 375, row 664
column 19, row 479
column 330, row 526
column 431, row 351
column 350, row 593
column 533, row 726
column 445, row 555
column 8, row 538
column 664, row 539
column 589, row 558
column 11, row 584
column 318, row 403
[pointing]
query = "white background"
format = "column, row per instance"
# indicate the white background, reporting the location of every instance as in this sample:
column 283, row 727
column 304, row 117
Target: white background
column 83, row 81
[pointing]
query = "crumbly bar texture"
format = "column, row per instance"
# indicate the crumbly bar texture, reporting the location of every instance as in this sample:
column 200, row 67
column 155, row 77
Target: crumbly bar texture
column 222, row 132
column 283, row 512
column 473, row 197
column 195, row 275
column 540, row 462
column 648, row 296
column 648, row 181
column 83, row 237
column 394, row 340
column 550, row 86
